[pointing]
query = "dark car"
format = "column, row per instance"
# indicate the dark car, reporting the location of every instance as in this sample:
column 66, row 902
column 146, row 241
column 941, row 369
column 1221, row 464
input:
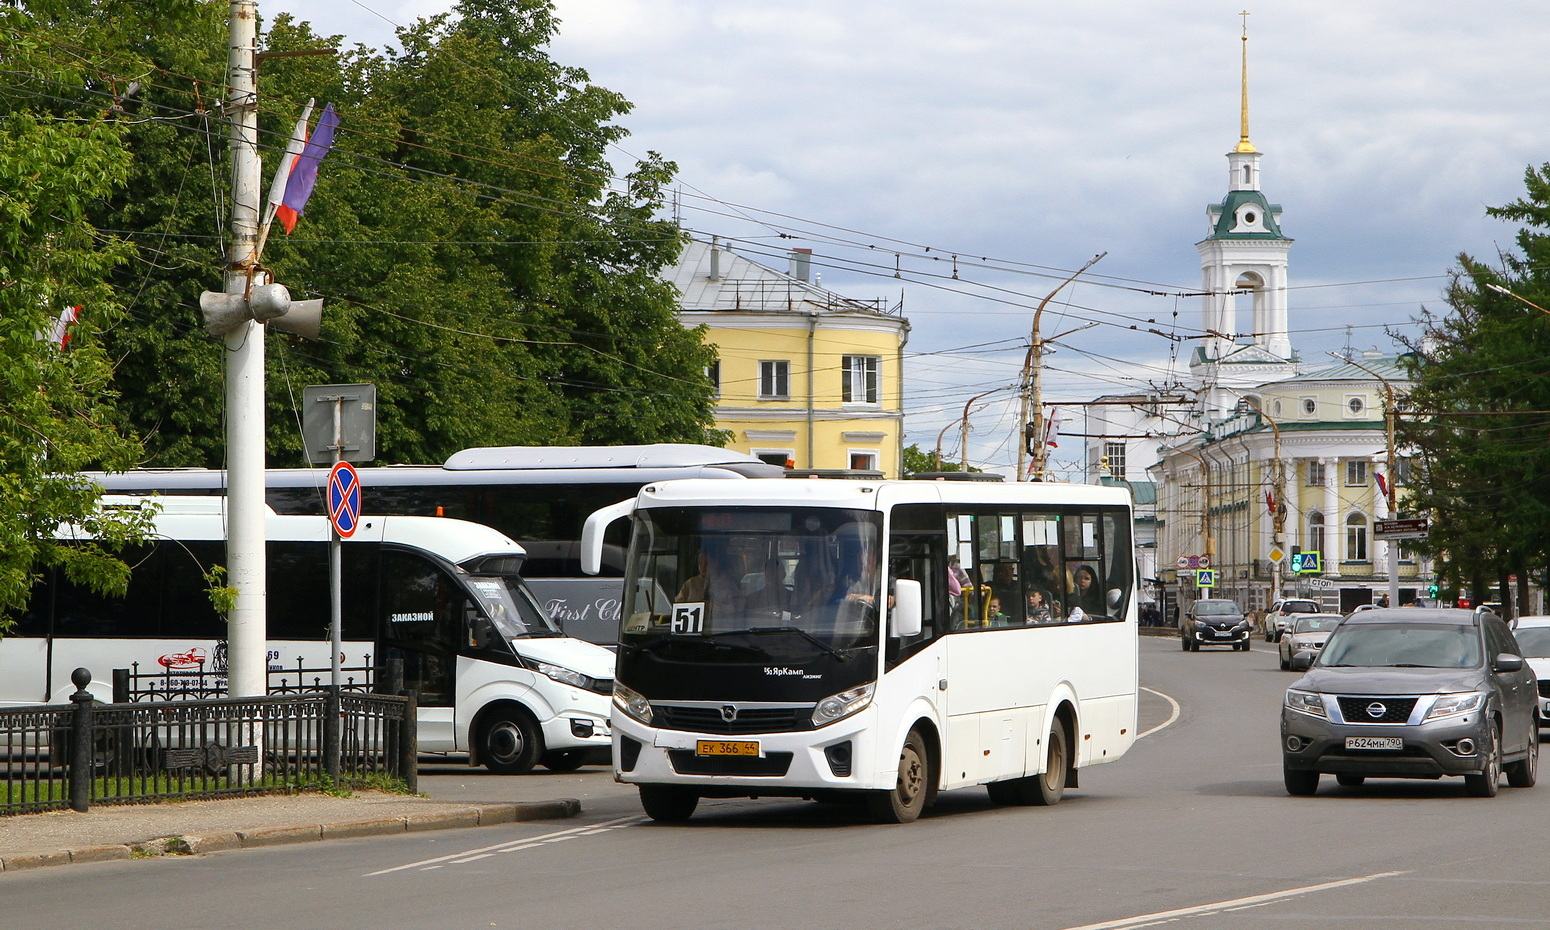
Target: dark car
column 1214, row 621
column 1412, row 693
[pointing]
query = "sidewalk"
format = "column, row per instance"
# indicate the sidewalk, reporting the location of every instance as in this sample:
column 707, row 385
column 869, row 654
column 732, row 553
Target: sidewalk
column 124, row 832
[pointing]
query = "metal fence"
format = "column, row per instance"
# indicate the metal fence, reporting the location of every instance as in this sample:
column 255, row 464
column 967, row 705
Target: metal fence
column 72, row 756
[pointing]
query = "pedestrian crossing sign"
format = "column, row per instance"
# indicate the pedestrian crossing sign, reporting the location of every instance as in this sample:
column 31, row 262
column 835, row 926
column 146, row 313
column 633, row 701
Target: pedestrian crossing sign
column 1205, row 578
column 1307, row 563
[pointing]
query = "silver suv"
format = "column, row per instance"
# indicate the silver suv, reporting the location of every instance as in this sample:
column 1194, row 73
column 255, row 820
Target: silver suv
column 1412, row 693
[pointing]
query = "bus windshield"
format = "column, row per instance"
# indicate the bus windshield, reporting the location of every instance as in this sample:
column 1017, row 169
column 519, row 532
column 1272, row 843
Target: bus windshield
column 505, row 600
column 761, row 584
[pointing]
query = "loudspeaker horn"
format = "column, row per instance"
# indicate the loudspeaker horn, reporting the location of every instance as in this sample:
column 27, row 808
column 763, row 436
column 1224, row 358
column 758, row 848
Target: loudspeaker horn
column 304, row 318
column 223, row 312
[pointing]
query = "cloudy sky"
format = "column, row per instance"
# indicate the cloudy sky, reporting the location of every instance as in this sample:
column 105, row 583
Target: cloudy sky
column 1025, row 137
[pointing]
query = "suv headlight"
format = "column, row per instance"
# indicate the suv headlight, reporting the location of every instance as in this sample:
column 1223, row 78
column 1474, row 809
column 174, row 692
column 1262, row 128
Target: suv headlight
column 842, row 705
column 632, row 703
column 1449, row 705
column 1306, row 702
column 563, row 675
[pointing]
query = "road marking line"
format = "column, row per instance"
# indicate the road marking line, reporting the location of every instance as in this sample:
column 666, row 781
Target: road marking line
column 1171, row 718
column 513, row 845
column 1160, row 916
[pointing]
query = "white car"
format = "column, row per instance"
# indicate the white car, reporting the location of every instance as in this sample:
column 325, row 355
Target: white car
column 1533, row 636
column 1279, row 617
column 1307, row 633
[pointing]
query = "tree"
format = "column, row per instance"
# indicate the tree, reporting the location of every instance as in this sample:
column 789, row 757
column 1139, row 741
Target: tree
column 480, row 262
column 1479, row 374
column 917, row 461
column 55, row 402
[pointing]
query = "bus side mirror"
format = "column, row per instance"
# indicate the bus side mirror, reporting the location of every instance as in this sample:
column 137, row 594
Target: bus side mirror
column 592, row 533
column 904, row 619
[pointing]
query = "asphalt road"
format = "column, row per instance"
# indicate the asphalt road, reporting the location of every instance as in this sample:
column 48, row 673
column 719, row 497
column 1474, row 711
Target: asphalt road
column 1192, row 829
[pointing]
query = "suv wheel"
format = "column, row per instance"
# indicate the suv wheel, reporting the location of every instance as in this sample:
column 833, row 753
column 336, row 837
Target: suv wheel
column 1486, row 784
column 1299, row 784
column 1524, row 772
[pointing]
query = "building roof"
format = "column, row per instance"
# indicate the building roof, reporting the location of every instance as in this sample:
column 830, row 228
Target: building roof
column 714, row 278
column 1384, row 366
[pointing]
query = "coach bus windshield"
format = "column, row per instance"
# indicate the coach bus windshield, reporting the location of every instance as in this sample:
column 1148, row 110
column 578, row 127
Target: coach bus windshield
column 775, row 583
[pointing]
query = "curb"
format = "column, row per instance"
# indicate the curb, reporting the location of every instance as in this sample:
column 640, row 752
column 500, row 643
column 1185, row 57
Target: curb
column 477, row 815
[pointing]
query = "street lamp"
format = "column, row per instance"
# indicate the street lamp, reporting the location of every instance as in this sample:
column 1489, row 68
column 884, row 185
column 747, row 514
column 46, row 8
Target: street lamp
column 1278, row 510
column 1502, row 290
column 1033, row 388
column 964, row 436
column 1388, row 426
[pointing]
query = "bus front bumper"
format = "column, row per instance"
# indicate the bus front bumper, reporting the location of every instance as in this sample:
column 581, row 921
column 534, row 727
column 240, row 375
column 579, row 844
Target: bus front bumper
column 789, row 764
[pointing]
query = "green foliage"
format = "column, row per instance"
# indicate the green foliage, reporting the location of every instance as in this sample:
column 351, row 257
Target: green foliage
column 222, row 595
column 480, row 262
column 56, row 413
column 918, row 461
column 1482, row 373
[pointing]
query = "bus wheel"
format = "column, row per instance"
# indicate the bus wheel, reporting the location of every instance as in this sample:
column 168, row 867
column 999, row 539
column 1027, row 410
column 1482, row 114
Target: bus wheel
column 668, row 803
column 907, row 799
column 510, row 743
column 1050, row 787
column 567, row 761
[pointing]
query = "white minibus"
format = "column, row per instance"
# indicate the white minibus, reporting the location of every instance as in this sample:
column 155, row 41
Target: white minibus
column 885, row 640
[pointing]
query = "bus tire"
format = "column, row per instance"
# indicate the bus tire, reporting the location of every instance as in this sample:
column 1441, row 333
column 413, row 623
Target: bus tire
column 510, row 742
column 904, row 802
column 668, row 803
column 568, row 760
column 1048, row 788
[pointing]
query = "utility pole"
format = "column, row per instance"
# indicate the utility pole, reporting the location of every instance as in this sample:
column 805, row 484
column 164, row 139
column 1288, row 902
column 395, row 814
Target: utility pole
column 1278, row 510
column 1389, row 414
column 964, row 435
column 247, row 630
column 1032, row 423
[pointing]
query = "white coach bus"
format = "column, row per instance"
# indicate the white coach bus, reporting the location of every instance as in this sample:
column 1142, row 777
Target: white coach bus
column 496, row 678
column 538, row 495
column 887, row 639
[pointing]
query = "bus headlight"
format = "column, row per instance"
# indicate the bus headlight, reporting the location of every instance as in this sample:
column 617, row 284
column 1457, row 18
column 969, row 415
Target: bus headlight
column 632, row 703
column 563, row 675
column 842, row 705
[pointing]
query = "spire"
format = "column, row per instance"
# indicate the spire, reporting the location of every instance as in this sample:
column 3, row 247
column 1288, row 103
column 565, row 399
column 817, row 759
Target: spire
column 1244, row 145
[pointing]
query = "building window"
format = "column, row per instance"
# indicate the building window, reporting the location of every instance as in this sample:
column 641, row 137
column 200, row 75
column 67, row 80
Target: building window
column 785, row 458
column 1355, row 405
column 713, row 375
column 1356, row 538
column 1310, row 406
column 863, row 461
column 1315, row 474
column 1404, row 473
column 1356, row 473
column 775, row 380
column 1114, row 458
column 860, row 375
column 1315, row 532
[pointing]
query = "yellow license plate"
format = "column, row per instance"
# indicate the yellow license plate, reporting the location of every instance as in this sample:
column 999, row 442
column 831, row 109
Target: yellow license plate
column 726, row 747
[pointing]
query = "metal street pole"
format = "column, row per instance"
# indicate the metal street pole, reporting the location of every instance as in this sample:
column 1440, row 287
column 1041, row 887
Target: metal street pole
column 964, row 436
column 247, row 633
column 1389, row 414
column 1278, row 511
column 1033, row 390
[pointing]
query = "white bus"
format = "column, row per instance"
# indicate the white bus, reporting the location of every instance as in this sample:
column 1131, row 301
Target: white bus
column 496, row 678
column 754, row 659
column 539, row 496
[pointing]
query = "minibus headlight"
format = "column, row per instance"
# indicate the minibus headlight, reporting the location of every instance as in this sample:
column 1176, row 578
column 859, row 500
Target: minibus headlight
column 632, row 703
column 563, row 675
column 842, row 705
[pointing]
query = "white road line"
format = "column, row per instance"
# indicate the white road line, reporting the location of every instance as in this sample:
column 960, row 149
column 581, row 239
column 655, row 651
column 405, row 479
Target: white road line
column 1171, row 717
column 513, row 845
column 1160, row 916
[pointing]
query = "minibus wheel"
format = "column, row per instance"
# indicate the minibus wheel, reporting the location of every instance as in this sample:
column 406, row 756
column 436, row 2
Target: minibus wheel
column 510, row 743
column 568, row 760
column 668, row 803
column 904, row 802
column 1050, row 787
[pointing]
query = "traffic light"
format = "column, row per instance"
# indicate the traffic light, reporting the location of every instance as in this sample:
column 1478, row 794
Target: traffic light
column 1031, row 436
column 266, row 303
column 1431, row 590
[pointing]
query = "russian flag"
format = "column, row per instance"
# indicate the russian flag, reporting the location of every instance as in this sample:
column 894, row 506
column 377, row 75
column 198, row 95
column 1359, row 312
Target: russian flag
column 299, row 171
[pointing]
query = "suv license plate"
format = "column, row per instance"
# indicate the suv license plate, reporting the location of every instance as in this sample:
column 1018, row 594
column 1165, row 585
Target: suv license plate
column 726, row 747
column 1374, row 742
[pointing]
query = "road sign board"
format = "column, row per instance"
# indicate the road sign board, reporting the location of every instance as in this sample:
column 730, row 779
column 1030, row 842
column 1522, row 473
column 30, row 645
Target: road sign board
column 1275, row 554
column 1205, row 578
column 1307, row 563
column 1183, row 561
column 1401, row 529
column 344, row 499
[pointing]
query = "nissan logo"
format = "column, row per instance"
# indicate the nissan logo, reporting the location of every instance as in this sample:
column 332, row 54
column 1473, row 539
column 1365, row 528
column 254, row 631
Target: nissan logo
column 728, row 713
column 1374, row 710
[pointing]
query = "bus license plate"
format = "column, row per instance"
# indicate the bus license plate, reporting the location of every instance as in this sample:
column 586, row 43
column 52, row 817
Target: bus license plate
column 1374, row 742
column 726, row 747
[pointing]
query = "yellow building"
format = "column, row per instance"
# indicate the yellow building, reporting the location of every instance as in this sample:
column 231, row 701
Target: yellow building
column 806, row 378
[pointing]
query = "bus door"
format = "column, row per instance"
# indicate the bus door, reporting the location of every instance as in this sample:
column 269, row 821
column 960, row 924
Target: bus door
column 421, row 615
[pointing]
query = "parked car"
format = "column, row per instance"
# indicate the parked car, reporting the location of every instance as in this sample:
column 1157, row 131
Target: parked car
column 1279, row 617
column 1533, row 635
column 1214, row 621
column 1412, row 693
column 1307, row 634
